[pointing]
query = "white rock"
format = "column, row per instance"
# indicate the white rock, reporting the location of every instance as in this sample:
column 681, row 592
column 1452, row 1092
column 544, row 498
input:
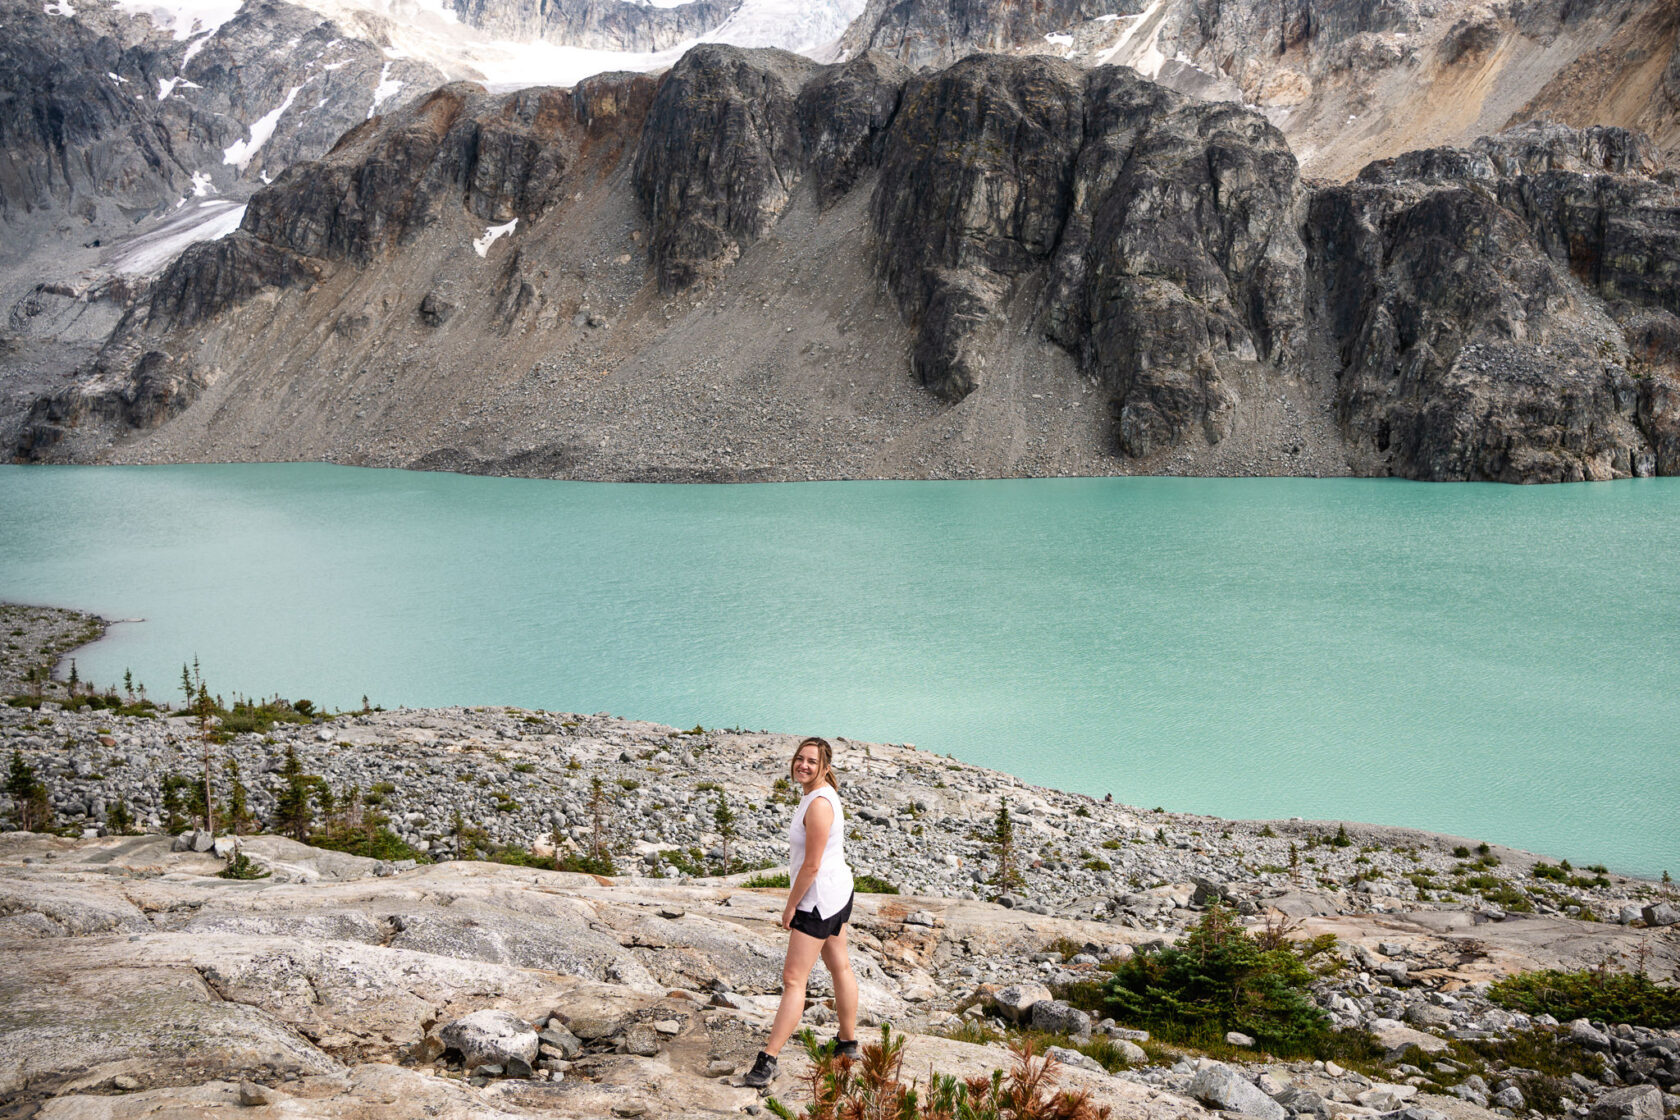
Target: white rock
column 1222, row 1087
column 490, row 1038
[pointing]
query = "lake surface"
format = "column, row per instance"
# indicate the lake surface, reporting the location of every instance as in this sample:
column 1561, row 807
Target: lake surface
column 1498, row 662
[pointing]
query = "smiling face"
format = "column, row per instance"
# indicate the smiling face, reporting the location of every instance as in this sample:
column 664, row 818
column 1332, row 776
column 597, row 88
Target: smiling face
column 808, row 766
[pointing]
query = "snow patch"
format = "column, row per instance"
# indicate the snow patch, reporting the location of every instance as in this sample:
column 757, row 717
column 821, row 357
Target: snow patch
column 1138, row 46
column 240, row 153
column 59, row 8
column 491, row 233
column 384, row 91
column 194, row 47
column 149, row 253
column 201, row 184
column 118, row 78
column 1059, row 40
column 166, row 86
column 185, row 18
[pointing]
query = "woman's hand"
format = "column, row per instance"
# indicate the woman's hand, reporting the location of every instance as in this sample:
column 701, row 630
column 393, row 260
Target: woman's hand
column 787, row 915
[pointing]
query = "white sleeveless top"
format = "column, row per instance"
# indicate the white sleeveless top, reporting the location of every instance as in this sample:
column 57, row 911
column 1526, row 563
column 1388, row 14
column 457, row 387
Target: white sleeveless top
column 833, row 885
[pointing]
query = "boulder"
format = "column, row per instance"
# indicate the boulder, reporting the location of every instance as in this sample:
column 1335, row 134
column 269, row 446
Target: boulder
column 556, row 1037
column 1055, row 1016
column 1074, row 1058
column 590, row 1027
column 1472, row 1089
column 1300, row 1100
column 1397, row 1036
column 1660, row 914
column 1585, row 1034
column 1427, row 1015
column 1237, row 1038
column 1221, row 1087
column 1636, row 1102
column 490, row 1038
column 252, row 1095
column 641, row 1040
column 1131, row 1051
column 1016, row 1001
column 1386, row 1098
column 1510, row 1097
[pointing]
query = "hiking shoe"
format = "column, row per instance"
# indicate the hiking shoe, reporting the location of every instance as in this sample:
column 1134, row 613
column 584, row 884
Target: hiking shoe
column 762, row 1073
column 846, row 1048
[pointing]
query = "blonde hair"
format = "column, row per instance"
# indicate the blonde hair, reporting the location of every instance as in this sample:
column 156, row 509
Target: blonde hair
column 825, row 758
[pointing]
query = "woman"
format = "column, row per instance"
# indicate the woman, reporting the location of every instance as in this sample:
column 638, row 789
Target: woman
column 819, row 905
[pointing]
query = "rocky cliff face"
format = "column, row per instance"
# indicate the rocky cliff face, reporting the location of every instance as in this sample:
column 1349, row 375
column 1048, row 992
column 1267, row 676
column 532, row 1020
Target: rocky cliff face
column 384, row 184
column 614, row 25
column 1460, row 286
column 939, row 32
column 110, row 121
column 719, row 157
column 1160, row 229
column 1347, row 81
column 1501, row 311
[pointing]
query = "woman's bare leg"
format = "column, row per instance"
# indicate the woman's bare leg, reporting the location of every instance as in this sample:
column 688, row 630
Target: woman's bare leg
column 839, row 964
column 802, row 953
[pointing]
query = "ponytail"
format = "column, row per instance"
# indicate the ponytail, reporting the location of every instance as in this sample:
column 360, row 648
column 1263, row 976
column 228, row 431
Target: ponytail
column 825, row 759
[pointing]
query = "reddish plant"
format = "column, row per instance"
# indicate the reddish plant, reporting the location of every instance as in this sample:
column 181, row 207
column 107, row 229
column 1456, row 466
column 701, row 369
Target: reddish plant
column 872, row 1088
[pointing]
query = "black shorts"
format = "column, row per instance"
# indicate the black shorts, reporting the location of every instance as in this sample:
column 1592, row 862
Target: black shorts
column 808, row 923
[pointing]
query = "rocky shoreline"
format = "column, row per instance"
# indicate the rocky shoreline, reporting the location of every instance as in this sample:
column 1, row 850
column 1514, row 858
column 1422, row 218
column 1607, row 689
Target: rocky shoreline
column 1426, row 922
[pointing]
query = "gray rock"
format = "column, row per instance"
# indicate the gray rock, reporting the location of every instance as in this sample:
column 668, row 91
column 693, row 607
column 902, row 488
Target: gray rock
column 1660, row 914
column 1015, row 1002
column 1237, row 1038
column 1637, row 1102
column 641, row 1040
column 1585, row 1034
column 1472, row 1089
column 490, row 1038
column 1298, row 1100
column 1131, row 1051
column 1074, row 1058
column 1220, row 1086
column 590, row 1027
column 1510, row 1097
column 1386, row 1098
column 1057, row 1017
column 1427, row 1015
column 563, row 1041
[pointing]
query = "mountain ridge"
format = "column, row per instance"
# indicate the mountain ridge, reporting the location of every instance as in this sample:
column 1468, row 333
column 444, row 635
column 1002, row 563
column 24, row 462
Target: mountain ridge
column 1013, row 209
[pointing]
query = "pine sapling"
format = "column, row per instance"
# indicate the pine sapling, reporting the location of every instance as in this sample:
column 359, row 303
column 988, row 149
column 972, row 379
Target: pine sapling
column 724, row 817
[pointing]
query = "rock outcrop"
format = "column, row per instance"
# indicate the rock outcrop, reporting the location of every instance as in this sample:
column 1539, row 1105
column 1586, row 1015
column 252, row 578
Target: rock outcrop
column 1460, row 288
column 939, row 32
column 1183, row 260
column 719, row 156
column 109, row 121
column 975, row 188
column 613, row 25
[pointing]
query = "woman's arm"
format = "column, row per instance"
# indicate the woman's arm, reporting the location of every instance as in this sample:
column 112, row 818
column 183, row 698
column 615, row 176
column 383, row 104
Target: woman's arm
column 819, row 818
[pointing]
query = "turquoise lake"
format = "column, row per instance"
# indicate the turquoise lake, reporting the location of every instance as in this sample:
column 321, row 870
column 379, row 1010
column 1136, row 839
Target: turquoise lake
column 1497, row 662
